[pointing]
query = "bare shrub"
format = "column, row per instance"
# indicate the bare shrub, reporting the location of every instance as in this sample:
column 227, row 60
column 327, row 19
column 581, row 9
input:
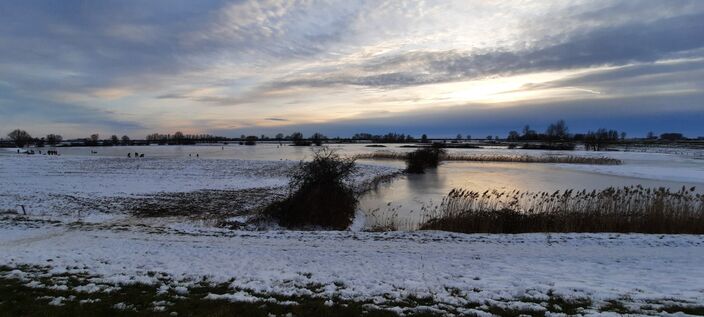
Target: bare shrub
column 420, row 159
column 320, row 194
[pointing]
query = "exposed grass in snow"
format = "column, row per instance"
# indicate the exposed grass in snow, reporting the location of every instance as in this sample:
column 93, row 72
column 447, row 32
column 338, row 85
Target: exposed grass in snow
column 35, row 291
column 412, row 272
column 628, row 209
column 563, row 159
column 21, row 298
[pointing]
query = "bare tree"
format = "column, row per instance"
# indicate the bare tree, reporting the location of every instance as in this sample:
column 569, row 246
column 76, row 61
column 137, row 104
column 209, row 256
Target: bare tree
column 125, row 140
column 318, row 138
column 178, row 137
column 513, row 136
column 20, row 137
column 53, row 139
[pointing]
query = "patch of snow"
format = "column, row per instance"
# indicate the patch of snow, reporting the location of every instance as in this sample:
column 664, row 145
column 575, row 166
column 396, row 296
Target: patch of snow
column 452, row 269
column 233, row 297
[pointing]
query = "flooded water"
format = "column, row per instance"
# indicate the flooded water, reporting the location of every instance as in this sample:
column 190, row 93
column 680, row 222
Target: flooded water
column 407, row 196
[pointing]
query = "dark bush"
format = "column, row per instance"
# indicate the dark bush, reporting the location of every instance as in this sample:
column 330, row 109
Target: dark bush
column 319, row 194
column 420, row 159
column 250, row 140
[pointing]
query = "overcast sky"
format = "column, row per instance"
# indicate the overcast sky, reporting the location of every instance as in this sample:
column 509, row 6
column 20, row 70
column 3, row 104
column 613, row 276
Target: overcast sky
column 436, row 67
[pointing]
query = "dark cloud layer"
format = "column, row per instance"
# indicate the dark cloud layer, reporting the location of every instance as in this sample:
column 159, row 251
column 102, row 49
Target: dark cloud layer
column 682, row 113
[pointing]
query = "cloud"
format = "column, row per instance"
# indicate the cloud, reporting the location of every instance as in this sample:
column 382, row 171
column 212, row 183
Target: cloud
column 617, row 45
column 216, row 63
column 276, row 119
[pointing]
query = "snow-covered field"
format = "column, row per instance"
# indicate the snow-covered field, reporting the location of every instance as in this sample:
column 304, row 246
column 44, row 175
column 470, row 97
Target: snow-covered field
column 456, row 271
column 458, row 274
column 97, row 188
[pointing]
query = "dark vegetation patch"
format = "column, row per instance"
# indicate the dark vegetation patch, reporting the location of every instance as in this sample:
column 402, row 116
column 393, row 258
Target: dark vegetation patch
column 561, row 159
column 204, row 203
column 421, row 159
column 19, row 298
column 568, row 146
column 628, row 209
column 320, row 194
column 444, row 146
column 210, row 204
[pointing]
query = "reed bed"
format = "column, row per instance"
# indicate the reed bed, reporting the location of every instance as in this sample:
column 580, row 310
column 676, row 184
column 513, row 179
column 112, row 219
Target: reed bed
column 628, row 209
column 564, row 159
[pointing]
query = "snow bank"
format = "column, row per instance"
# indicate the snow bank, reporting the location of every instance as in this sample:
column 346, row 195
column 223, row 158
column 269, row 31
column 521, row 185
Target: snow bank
column 452, row 269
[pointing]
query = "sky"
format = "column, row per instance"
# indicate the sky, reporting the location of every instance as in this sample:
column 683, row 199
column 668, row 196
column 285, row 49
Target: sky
column 342, row 67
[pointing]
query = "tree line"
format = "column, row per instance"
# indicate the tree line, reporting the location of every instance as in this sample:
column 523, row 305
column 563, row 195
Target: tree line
column 22, row 138
column 557, row 132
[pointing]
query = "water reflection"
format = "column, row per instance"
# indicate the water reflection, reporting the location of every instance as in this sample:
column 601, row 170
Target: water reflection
column 409, row 197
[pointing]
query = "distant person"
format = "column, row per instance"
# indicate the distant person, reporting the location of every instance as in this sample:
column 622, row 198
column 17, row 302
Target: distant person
column 189, row 154
column 129, row 154
column 136, row 155
column 141, row 155
column 18, row 151
column 197, row 155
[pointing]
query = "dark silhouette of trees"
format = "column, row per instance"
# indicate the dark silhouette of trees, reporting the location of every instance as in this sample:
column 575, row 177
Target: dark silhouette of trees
column 298, row 140
column 53, row 139
column 423, row 138
column 513, row 136
column 114, row 140
column 600, row 139
column 180, row 138
column 671, row 136
column 20, row 137
column 126, row 140
column 529, row 134
column 557, row 131
column 250, row 140
column 318, row 138
column 390, row 137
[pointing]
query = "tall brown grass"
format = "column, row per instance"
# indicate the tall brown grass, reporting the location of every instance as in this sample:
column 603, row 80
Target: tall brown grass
column 567, row 159
column 627, row 209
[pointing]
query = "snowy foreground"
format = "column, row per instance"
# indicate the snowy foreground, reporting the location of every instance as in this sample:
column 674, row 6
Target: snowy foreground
column 454, row 271
column 83, row 222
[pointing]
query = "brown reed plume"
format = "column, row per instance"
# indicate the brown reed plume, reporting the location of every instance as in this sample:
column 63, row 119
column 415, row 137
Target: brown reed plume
column 627, row 209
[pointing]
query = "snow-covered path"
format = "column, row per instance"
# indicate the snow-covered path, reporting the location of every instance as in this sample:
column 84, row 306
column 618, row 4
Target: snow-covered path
column 454, row 269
